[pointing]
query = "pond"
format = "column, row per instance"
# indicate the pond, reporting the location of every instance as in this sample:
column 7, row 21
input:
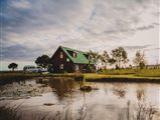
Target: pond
column 62, row 99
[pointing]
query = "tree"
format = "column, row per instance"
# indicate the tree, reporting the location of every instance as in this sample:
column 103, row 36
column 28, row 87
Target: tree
column 12, row 66
column 93, row 57
column 112, row 61
column 142, row 65
column 139, row 59
column 43, row 61
column 105, row 58
column 120, row 56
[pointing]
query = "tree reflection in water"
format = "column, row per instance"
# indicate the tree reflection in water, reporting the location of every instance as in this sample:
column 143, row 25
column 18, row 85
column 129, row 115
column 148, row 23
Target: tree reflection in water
column 62, row 86
column 119, row 92
column 140, row 94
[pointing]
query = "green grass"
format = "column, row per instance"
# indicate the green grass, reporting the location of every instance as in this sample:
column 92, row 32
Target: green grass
column 103, row 76
column 118, row 72
column 133, row 72
column 149, row 73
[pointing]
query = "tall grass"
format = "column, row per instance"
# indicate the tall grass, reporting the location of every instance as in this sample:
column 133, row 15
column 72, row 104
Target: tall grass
column 7, row 113
column 143, row 111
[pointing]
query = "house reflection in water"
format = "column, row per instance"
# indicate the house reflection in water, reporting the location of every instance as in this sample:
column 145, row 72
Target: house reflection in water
column 62, row 86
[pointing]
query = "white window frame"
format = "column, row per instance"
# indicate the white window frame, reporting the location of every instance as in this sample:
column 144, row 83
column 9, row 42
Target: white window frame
column 61, row 55
column 74, row 54
column 61, row 66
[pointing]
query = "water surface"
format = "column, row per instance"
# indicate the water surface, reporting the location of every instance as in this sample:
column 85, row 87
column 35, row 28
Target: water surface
column 61, row 99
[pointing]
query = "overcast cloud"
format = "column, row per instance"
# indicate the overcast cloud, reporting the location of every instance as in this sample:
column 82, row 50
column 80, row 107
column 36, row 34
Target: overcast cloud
column 34, row 27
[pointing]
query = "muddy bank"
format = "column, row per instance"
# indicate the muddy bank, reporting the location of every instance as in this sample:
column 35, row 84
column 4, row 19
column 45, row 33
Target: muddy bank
column 6, row 78
column 23, row 90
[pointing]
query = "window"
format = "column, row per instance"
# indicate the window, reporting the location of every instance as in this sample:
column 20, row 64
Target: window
column 74, row 54
column 61, row 54
column 61, row 66
column 77, row 67
column 86, row 55
column 68, row 60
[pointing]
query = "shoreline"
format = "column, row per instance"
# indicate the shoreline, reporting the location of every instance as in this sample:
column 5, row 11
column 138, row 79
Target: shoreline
column 120, row 78
column 125, row 80
column 88, row 77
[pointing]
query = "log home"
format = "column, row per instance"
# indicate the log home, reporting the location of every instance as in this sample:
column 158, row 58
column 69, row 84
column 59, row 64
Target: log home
column 70, row 60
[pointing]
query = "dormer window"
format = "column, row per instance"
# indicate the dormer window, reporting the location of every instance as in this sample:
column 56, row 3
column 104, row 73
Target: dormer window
column 61, row 54
column 87, row 56
column 74, row 54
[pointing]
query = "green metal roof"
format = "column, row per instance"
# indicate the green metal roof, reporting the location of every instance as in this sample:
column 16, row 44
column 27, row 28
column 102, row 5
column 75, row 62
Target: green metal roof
column 81, row 58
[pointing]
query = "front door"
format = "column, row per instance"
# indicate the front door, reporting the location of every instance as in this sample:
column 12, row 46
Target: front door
column 76, row 67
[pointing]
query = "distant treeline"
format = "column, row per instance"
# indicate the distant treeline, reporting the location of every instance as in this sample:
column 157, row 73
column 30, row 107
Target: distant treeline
column 118, row 58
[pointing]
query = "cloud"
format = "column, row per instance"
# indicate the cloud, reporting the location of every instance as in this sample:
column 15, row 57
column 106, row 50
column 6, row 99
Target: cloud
column 145, row 27
column 21, row 4
column 151, row 26
column 18, row 52
column 39, row 27
column 137, row 47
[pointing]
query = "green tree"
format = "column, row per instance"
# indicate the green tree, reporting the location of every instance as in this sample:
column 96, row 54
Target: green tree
column 93, row 57
column 120, row 56
column 111, row 61
column 142, row 65
column 139, row 59
column 43, row 61
column 12, row 66
column 105, row 58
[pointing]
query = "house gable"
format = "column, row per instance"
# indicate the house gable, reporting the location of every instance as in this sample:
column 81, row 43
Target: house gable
column 56, row 55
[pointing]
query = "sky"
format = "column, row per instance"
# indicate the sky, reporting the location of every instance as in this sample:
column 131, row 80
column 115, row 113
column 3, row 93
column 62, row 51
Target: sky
column 30, row 28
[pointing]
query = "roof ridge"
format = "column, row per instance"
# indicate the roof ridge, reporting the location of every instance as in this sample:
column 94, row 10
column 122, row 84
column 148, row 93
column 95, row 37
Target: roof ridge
column 73, row 49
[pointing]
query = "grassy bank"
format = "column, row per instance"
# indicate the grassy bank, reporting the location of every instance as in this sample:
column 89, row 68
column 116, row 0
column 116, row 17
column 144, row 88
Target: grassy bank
column 126, row 75
column 133, row 72
column 120, row 78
